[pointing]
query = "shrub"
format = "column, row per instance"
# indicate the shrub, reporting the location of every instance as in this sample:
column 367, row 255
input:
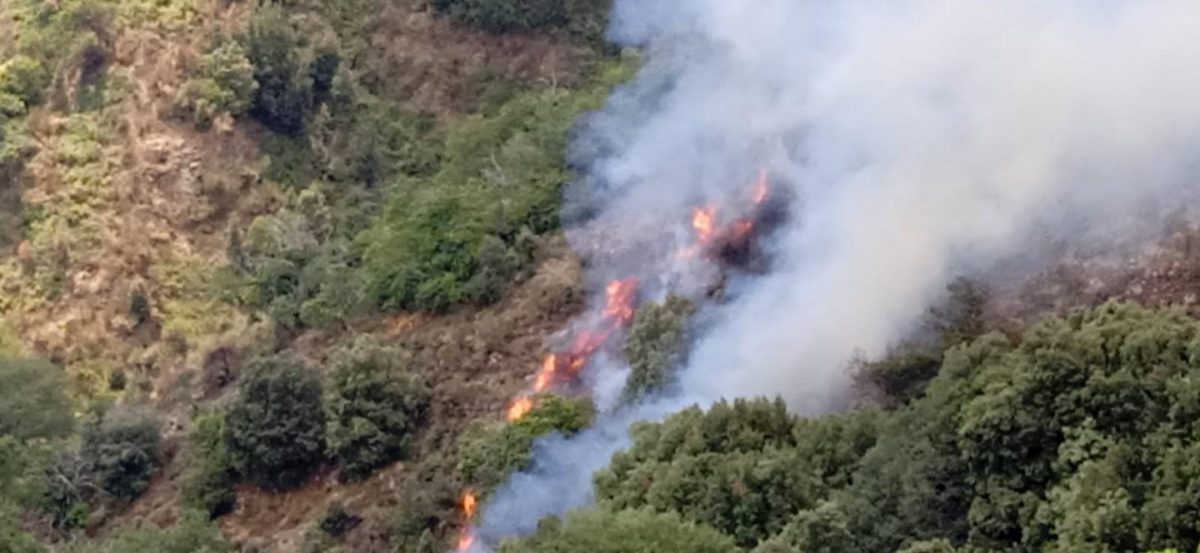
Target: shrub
column 655, row 347
column 506, row 16
column 597, row 531
column 224, row 83
column 32, row 400
column 450, row 239
column 373, row 407
column 122, row 451
column 286, row 84
column 489, row 453
column 23, row 78
column 337, row 521
column 192, row 534
column 12, row 538
column 211, row 477
column 275, row 431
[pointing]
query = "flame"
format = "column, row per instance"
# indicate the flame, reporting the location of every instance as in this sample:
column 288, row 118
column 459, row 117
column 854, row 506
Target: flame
column 619, row 296
column 704, row 222
column 546, row 373
column 469, row 504
column 466, row 540
column 519, row 408
column 762, row 187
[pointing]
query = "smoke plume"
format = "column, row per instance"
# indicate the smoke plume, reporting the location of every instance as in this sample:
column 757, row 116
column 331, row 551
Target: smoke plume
column 913, row 139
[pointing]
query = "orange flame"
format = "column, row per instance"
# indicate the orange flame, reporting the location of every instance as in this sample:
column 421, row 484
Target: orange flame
column 762, row 187
column 519, row 408
column 618, row 304
column 546, row 373
column 466, row 540
column 469, row 504
column 704, row 222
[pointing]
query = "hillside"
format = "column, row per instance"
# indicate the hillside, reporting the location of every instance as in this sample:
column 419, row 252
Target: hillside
column 383, row 276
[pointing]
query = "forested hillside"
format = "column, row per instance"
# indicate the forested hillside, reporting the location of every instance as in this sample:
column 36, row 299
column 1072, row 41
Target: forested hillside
column 273, row 271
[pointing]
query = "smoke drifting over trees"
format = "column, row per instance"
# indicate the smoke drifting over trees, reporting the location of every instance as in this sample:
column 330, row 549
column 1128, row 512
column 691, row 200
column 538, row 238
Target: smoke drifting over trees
column 916, row 140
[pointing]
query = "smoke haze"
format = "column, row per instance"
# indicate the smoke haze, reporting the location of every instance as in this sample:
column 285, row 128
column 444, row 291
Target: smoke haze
column 916, row 140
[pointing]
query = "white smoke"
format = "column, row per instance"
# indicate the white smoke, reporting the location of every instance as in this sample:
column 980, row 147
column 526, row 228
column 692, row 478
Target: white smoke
column 917, row 138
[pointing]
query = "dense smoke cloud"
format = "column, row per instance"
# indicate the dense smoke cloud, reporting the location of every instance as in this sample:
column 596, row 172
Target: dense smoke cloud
column 916, row 139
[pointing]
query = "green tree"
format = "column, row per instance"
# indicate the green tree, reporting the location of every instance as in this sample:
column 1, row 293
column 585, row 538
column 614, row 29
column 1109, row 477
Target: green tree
column 223, row 83
column 284, row 96
column 275, row 431
column 655, row 347
column 489, row 453
column 211, row 476
column 122, row 451
column 598, row 531
column 192, row 534
column 373, row 408
column 737, row 468
column 32, row 400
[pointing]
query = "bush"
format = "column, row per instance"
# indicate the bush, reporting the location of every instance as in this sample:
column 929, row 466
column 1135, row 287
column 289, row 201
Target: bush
column 224, row 83
column 209, row 485
column 12, row 538
column 734, row 468
column 275, row 431
column 23, row 78
column 594, row 531
column 192, row 534
column 122, row 451
column 337, row 521
column 288, row 87
column 32, row 400
column 450, row 239
column 489, row 453
column 373, row 407
column 656, row 345
column 506, row 16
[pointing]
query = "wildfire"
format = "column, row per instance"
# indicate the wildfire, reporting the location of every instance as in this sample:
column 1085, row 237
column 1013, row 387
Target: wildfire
column 704, row 222
column 465, row 541
column 469, row 504
column 564, row 366
column 762, row 187
column 619, row 296
column 520, row 408
column 708, row 229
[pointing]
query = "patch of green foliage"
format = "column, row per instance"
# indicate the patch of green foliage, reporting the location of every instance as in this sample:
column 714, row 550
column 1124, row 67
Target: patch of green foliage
column 33, row 402
column 275, row 431
column 374, row 405
column 583, row 18
column 192, row 534
column 291, row 81
column 223, row 83
column 64, row 224
column 459, row 236
column 743, row 468
column 1077, row 435
column 598, row 531
column 488, row 453
column 209, row 485
column 121, row 450
column 299, row 261
column 656, row 345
